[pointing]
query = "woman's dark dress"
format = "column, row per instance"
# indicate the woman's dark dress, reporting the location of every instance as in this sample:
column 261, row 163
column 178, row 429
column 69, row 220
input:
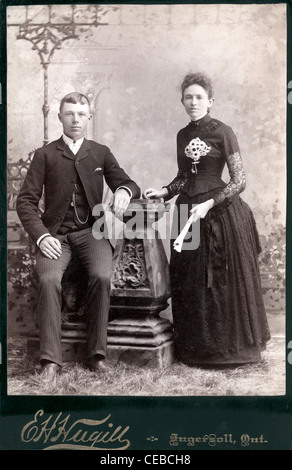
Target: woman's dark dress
column 218, row 310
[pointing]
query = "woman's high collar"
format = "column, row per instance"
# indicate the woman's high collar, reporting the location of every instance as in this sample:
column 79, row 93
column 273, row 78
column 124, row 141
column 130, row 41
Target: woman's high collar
column 199, row 122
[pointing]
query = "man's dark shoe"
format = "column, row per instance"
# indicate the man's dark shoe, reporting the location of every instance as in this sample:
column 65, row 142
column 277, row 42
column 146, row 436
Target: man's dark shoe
column 98, row 364
column 49, row 371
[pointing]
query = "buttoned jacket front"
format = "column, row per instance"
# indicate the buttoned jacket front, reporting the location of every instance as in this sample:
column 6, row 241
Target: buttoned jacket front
column 52, row 174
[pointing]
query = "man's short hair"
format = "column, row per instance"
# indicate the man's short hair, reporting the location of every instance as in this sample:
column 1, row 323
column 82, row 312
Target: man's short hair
column 74, row 97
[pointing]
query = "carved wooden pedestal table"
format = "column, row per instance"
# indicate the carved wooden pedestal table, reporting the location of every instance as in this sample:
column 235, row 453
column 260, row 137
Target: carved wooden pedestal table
column 140, row 290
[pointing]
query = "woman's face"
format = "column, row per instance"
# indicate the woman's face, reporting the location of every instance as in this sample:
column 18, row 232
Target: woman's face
column 196, row 101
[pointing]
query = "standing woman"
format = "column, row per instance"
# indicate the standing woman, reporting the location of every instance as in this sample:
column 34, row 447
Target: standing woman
column 218, row 310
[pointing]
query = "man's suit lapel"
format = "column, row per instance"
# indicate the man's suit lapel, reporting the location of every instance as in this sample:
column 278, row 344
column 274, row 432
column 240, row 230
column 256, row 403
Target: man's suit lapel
column 84, row 150
column 82, row 153
column 65, row 149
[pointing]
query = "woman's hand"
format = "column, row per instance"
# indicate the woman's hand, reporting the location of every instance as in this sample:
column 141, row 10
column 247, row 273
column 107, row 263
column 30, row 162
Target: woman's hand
column 151, row 193
column 201, row 210
column 50, row 247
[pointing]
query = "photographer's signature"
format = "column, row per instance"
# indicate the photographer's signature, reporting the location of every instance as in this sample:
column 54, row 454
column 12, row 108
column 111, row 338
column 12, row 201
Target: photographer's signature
column 58, row 432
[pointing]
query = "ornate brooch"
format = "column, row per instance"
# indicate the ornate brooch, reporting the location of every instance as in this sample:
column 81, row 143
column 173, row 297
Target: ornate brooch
column 196, row 149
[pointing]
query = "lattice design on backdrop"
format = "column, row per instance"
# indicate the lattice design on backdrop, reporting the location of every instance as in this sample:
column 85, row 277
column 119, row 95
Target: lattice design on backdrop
column 16, row 172
column 47, row 31
column 49, row 28
column 21, row 280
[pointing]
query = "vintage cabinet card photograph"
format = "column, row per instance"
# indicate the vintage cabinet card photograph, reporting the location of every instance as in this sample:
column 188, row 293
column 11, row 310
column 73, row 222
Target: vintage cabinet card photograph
column 145, row 193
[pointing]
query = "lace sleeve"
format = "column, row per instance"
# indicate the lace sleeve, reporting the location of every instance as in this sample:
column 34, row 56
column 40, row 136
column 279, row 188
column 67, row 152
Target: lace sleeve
column 183, row 165
column 237, row 179
column 176, row 184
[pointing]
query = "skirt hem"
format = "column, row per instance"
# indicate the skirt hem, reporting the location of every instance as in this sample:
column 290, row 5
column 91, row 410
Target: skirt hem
column 250, row 354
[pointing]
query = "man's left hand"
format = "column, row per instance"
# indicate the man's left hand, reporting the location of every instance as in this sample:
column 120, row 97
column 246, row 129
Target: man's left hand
column 121, row 201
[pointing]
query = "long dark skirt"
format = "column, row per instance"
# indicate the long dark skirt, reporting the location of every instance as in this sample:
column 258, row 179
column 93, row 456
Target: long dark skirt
column 218, row 310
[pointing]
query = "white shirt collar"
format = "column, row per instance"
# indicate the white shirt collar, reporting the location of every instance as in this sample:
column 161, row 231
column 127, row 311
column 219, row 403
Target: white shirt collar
column 74, row 146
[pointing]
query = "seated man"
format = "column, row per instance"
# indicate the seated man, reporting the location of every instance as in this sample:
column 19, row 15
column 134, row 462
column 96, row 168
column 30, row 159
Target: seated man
column 71, row 171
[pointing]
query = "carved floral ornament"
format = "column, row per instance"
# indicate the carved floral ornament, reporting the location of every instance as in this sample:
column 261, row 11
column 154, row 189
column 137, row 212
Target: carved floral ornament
column 131, row 269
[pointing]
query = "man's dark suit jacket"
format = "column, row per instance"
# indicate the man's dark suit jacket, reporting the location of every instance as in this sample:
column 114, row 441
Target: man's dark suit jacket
column 52, row 169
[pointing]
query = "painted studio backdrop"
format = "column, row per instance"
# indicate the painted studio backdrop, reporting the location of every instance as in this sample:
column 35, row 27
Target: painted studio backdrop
column 130, row 60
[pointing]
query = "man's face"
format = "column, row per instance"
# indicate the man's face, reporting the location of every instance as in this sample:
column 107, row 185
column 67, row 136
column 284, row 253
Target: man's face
column 74, row 118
